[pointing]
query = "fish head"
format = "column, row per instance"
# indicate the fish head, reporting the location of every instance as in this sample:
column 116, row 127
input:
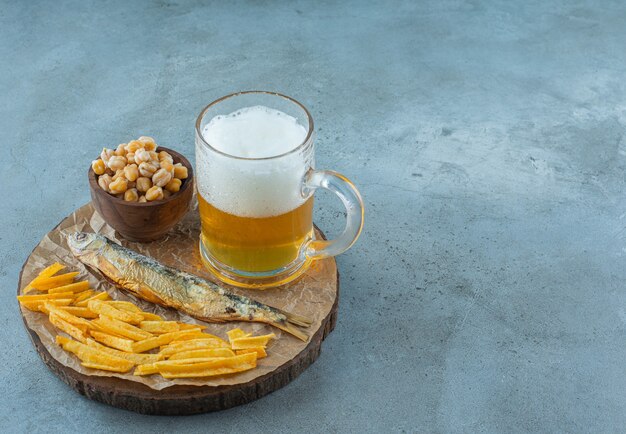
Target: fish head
column 84, row 243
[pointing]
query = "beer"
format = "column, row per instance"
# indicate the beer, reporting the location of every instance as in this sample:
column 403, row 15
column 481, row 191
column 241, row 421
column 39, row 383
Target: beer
column 254, row 216
column 255, row 244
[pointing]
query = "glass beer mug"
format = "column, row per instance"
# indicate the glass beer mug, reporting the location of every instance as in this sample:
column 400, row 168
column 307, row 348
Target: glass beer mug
column 256, row 179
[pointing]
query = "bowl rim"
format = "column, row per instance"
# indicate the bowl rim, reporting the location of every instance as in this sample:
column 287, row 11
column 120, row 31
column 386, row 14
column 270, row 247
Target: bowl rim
column 95, row 187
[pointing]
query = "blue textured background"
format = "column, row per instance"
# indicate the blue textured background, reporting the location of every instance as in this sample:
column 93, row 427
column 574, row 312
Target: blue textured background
column 487, row 138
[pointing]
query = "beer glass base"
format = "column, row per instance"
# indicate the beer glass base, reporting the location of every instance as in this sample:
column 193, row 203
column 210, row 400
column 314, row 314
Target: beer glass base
column 261, row 280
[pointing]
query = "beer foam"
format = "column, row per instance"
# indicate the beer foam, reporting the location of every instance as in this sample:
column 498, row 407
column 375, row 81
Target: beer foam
column 254, row 132
column 252, row 188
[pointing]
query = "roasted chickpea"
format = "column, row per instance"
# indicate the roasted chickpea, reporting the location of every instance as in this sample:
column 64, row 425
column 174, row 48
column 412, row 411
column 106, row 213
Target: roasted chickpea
column 131, row 172
column 131, row 195
column 180, row 171
column 106, row 154
column 104, row 181
column 134, row 146
column 161, row 177
column 164, row 155
column 137, row 172
column 98, row 166
column 147, row 169
column 145, row 140
column 143, row 184
column 142, row 156
column 174, row 185
column 154, row 193
column 120, row 185
column 167, row 166
column 121, row 150
column 116, row 162
column 118, row 173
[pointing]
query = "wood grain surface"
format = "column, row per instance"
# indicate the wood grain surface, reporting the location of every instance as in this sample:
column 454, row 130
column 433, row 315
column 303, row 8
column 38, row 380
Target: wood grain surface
column 186, row 400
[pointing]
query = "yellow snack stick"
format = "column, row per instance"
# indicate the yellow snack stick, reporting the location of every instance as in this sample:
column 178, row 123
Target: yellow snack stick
column 146, row 369
column 121, row 328
column 98, row 296
column 72, row 287
column 46, row 272
column 180, row 362
column 66, row 327
column 196, row 334
column 92, row 355
column 147, row 316
column 84, row 295
column 103, row 308
column 133, row 357
column 33, row 306
column 38, row 305
column 237, row 333
column 216, row 366
column 260, row 352
column 104, row 367
column 170, row 374
column 159, row 327
column 128, row 306
column 43, row 297
column 154, row 342
column 81, row 323
column 43, row 308
column 196, row 344
column 82, row 312
column 124, row 305
column 251, row 342
column 185, row 326
column 57, row 302
column 45, row 283
column 83, row 328
column 182, row 365
column 122, row 344
column 203, row 353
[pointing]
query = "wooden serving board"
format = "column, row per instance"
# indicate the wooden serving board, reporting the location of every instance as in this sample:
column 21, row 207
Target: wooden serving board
column 182, row 399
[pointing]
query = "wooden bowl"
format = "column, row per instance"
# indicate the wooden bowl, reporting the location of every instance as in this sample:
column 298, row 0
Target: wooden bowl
column 145, row 221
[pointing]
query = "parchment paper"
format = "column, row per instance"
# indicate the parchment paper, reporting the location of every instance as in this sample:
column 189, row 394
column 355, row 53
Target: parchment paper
column 313, row 295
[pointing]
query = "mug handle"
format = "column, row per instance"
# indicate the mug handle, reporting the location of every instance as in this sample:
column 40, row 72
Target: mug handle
column 351, row 198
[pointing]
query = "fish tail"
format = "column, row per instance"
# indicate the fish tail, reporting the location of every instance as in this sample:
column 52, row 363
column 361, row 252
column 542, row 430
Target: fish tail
column 289, row 323
column 291, row 329
column 300, row 320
